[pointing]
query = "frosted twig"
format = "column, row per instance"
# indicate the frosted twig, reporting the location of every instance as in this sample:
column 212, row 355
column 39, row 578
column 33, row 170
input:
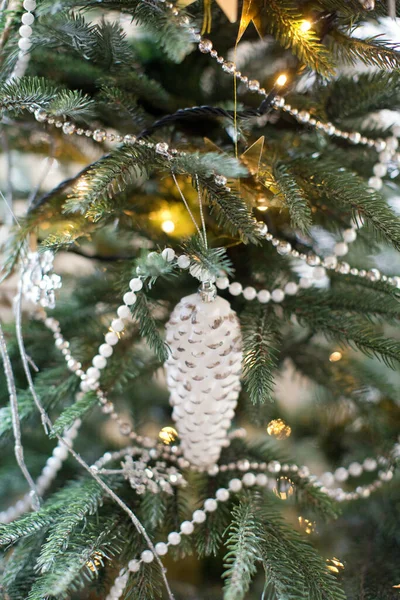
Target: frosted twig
column 18, row 448
column 48, row 425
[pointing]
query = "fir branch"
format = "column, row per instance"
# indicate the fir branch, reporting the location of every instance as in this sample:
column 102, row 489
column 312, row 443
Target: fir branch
column 208, row 538
column 243, row 552
column 259, row 354
column 152, row 510
column 134, row 84
column 71, row 569
column 345, row 328
column 151, row 267
column 104, row 178
column 145, row 584
column 282, row 20
column 213, row 260
column 374, row 91
column 20, row 567
column 373, row 52
column 33, row 91
column 141, row 311
column 52, row 387
column 292, row 565
column 71, row 103
column 84, row 493
column 157, row 21
column 124, row 103
column 294, row 198
column 26, row 91
column 176, row 41
column 70, row 516
column 103, row 43
column 77, row 411
column 370, row 303
column 333, row 183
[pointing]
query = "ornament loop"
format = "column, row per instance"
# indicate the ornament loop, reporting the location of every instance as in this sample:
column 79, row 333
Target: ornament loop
column 207, row 291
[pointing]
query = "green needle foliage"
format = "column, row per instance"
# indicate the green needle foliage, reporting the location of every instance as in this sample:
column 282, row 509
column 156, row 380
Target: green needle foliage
column 257, row 535
column 105, row 208
column 259, row 354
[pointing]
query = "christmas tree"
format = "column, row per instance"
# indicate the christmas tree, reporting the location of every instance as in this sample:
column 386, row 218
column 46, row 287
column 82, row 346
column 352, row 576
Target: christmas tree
column 200, row 300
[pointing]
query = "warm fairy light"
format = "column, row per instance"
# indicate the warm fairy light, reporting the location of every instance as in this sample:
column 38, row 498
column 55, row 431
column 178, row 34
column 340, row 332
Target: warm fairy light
column 284, row 488
column 262, row 207
column 335, row 356
column 334, row 564
column 279, row 429
column 168, row 435
column 396, row 586
column 168, row 226
column 82, row 186
column 281, row 80
column 307, row 525
column 305, row 26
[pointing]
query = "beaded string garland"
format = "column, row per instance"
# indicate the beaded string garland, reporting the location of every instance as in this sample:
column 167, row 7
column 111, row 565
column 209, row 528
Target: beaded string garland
column 252, row 473
column 90, row 379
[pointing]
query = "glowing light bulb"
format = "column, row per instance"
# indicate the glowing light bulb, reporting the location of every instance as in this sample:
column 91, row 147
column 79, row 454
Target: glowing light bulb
column 281, row 80
column 82, row 186
column 335, row 356
column 278, row 429
column 305, row 26
column 168, row 226
column 168, row 435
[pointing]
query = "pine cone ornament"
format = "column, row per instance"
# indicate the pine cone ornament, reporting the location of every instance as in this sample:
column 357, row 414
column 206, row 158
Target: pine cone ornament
column 203, row 375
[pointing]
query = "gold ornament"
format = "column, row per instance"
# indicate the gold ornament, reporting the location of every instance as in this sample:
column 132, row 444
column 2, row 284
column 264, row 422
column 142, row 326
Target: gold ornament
column 251, row 13
column 228, row 7
column 168, row 435
column 278, row 429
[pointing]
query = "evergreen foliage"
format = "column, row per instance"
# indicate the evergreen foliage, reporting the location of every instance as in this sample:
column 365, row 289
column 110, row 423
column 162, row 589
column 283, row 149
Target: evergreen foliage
column 133, row 67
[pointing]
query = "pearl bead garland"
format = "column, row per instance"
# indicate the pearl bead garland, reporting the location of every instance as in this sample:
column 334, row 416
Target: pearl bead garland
column 235, row 485
column 205, row 46
column 24, row 43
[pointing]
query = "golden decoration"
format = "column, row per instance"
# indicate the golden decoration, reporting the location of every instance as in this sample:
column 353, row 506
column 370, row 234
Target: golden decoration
column 334, row 565
column 251, row 158
column 168, row 435
column 228, row 7
column 335, row 356
column 279, row 429
column 284, row 488
column 251, row 13
column 307, row 525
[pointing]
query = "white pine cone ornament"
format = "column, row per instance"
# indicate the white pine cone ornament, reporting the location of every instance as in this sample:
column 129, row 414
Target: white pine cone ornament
column 203, row 375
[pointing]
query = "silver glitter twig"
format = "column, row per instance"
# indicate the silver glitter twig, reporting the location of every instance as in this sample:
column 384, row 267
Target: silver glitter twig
column 48, row 425
column 18, row 448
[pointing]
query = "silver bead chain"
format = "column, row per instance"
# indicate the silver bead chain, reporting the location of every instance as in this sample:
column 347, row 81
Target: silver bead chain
column 248, row 474
column 90, row 379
